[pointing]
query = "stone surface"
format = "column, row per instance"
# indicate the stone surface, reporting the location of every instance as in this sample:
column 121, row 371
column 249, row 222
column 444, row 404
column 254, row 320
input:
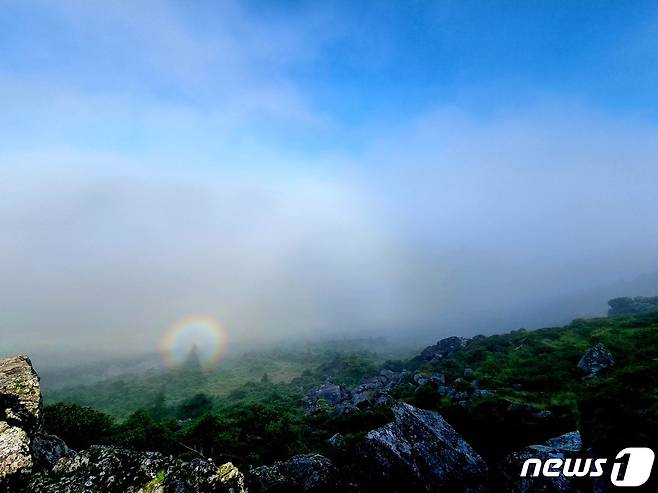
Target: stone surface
column 565, row 446
column 106, row 469
column 632, row 306
column 15, row 457
column 336, row 441
column 443, row 348
column 20, row 394
column 21, row 416
column 419, row 451
column 48, row 449
column 202, row 476
column 595, row 360
column 309, row 473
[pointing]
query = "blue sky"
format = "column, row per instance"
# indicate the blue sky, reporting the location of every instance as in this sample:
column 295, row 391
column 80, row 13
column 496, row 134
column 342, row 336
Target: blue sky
column 350, row 65
column 294, row 167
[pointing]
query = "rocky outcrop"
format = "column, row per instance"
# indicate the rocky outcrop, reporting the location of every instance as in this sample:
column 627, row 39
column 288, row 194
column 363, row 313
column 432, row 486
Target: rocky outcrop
column 334, row 399
column 442, row 349
column 632, row 306
column 201, row 476
column 21, row 416
column 309, row 473
column 595, row 360
column 34, row 462
column 48, row 449
column 15, row 456
column 336, row 441
column 565, row 446
column 106, row 469
column 419, row 451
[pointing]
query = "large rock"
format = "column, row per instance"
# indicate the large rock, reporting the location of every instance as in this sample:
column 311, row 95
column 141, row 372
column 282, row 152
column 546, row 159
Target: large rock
column 443, row 348
column 106, row 469
column 20, row 394
column 419, row 451
column 331, row 399
column 633, row 306
column 595, row 360
column 21, row 416
column 202, row 476
column 328, row 398
column 565, row 446
column 48, row 449
column 310, row 473
column 15, row 456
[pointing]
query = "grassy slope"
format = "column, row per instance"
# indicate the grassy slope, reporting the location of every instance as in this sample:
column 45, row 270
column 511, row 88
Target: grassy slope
column 539, row 368
column 262, row 421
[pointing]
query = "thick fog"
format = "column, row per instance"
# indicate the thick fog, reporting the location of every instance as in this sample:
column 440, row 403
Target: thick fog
column 127, row 205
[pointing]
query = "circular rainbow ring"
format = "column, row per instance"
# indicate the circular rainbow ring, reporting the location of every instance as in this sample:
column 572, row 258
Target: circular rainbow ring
column 203, row 331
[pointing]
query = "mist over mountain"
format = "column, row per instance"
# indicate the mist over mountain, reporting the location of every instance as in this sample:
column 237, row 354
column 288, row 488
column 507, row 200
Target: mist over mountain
column 233, row 170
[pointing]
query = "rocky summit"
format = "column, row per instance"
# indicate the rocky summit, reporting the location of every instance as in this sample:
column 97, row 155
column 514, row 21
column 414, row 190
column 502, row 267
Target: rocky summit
column 32, row 461
column 21, row 414
column 418, row 449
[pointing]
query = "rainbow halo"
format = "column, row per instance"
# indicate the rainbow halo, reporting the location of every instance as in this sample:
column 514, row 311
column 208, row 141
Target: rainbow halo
column 202, row 332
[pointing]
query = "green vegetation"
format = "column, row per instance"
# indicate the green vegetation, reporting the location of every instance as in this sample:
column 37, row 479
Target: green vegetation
column 257, row 417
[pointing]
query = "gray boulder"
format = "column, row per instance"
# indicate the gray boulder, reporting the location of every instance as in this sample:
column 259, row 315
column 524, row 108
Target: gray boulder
column 20, row 394
column 565, row 446
column 48, row 449
column 438, row 379
column 15, row 457
column 419, row 451
column 633, row 306
column 595, row 360
column 200, row 476
column 309, row 473
column 328, row 398
column 331, row 399
column 337, row 441
column 107, row 469
column 21, row 416
column 443, row 348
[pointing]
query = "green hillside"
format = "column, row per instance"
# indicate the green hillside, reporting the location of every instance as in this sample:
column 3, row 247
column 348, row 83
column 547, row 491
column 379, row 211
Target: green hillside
column 252, row 411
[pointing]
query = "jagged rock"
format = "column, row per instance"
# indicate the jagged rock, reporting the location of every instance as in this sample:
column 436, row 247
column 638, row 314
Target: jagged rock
column 419, row 451
column 420, row 379
column 21, row 416
column 327, row 398
column 338, row 399
column 331, row 393
column 48, row 449
column 568, row 445
column 389, row 375
column 107, row 469
column 443, row 348
column 100, row 469
column 595, row 360
column 202, row 476
column 20, row 394
column 445, row 391
column 632, row 306
column 310, row 473
column 336, row 441
column 438, row 379
column 15, row 457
